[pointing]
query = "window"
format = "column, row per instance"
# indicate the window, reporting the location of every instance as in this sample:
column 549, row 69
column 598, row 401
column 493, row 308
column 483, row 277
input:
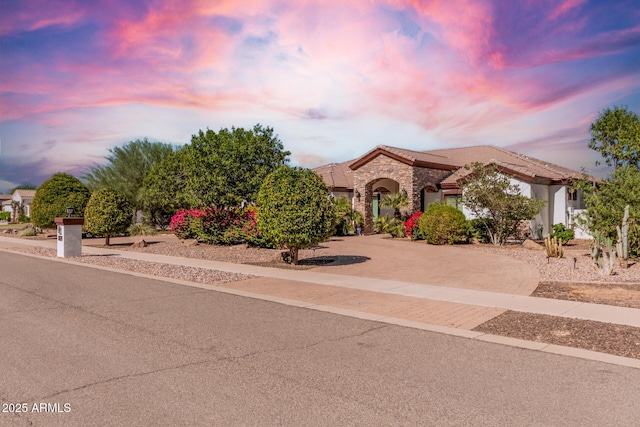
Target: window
column 454, row 200
column 572, row 194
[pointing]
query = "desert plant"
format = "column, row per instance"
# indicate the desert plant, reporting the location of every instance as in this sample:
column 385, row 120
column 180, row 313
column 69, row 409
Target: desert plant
column 602, row 253
column 107, row 213
column 142, row 230
column 442, row 224
column 28, row 232
column 389, row 225
column 395, row 201
column 358, row 221
column 622, row 246
column 553, row 245
column 606, row 201
column 562, row 233
column 343, row 216
column 53, row 197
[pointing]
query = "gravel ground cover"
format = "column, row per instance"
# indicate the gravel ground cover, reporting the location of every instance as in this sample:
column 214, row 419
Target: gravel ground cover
column 564, row 269
column 586, row 334
column 618, row 294
column 191, row 274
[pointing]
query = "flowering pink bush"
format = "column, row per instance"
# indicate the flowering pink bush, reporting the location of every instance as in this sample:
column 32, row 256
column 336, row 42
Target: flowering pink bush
column 217, row 225
column 411, row 228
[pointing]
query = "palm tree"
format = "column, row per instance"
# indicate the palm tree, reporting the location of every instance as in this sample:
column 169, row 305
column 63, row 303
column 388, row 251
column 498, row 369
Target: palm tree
column 395, row 201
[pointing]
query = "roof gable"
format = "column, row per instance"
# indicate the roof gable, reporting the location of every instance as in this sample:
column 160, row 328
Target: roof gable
column 409, row 157
column 337, row 176
column 25, row 194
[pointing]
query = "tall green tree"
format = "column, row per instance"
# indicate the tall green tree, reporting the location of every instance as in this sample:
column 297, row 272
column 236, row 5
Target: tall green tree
column 295, row 209
column 163, row 189
column 222, row 168
column 107, row 213
column 53, row 197
column 606, row 200
column 497, row 203
column 126, row 168
column 616, row 135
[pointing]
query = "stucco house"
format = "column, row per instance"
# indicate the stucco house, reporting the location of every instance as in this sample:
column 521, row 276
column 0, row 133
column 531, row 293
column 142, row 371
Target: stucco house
column 21, row 198
column 436, row 175
column 5, row 202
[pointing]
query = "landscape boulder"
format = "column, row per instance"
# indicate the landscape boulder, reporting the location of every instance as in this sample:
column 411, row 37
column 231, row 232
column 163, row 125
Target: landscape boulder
column 140, row 244
column 530, row 244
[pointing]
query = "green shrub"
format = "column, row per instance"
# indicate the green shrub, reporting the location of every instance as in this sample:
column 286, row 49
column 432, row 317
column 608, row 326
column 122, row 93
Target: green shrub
column 294, row 209
column 5, row 216
column 442, row 224
column 107, row 213
column 216, row 225
column 478, row 229
column 28, row 232
column 562, row 233
column 53, row 197
column 142, row 230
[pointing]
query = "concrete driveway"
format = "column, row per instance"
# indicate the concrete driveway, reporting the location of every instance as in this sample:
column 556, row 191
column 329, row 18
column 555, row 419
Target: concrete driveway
column 378, row 256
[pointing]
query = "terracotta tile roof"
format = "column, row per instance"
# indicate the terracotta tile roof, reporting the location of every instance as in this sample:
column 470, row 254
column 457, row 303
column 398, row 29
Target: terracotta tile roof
column 515, row 163
column 340, row 175
column 411, row 157
column 336, row 175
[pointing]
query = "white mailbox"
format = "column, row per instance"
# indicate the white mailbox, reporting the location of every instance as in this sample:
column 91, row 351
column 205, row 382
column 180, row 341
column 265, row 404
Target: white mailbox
column 69, row 237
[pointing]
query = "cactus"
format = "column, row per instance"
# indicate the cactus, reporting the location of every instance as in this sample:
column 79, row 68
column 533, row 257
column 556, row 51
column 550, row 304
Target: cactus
column 622, row 246
column 603, row 260
column 554, row 247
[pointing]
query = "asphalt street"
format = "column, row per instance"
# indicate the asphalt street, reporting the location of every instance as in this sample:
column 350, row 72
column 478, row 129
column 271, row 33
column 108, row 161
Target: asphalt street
column 84, row 347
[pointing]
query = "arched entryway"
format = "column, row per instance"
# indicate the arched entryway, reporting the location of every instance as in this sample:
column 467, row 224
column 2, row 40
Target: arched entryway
column 395, row 173
column 370, row 201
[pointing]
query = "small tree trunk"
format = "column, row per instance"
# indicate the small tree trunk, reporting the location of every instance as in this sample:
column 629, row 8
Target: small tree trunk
column 106, row 240
column 294, row 256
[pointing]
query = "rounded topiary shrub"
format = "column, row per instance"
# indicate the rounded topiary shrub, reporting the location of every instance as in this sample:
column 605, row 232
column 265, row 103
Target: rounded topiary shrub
column 53, row 197
column 295, row 209
column 107, row 213
column 442, row 224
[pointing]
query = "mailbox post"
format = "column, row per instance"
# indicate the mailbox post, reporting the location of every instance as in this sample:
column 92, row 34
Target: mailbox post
column 69, row 237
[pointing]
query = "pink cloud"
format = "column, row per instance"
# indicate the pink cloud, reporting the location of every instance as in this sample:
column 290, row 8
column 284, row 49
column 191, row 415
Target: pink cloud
column 564, row 7
column 37, row 14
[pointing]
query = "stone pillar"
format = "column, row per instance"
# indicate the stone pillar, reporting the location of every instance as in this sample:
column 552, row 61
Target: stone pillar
column 69, row 231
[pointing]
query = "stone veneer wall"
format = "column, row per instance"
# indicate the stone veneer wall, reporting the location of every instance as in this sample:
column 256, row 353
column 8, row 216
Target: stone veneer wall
column 412, row 179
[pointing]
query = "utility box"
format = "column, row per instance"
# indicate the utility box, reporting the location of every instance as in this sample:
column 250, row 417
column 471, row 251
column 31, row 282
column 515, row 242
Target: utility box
column 69, row 237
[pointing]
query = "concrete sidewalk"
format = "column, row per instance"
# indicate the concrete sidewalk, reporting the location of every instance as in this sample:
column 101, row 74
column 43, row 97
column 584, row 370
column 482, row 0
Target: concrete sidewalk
column 453, row 306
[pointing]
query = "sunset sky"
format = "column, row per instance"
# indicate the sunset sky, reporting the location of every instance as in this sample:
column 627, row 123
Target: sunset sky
column 333, row 78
